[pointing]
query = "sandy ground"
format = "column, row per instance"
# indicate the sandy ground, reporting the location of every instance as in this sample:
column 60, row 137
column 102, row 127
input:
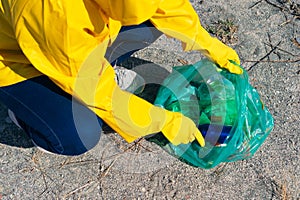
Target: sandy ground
column 265, row 41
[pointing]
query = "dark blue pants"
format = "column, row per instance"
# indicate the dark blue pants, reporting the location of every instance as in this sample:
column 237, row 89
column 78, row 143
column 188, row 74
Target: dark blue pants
column 55, row 121
column 131, row 39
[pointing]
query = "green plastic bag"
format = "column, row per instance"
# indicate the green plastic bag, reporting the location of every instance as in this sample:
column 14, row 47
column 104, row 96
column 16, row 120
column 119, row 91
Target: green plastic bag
column 224, row 106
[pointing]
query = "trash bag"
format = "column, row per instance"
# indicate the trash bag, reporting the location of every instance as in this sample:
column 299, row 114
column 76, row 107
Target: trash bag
column 226, row 108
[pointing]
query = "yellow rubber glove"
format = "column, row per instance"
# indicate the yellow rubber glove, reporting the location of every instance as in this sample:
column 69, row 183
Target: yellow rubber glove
column 134, row 117
column 182, row 130
column 221, row 54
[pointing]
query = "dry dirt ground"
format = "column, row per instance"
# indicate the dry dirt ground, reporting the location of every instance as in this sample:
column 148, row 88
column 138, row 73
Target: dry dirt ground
column 266, row 35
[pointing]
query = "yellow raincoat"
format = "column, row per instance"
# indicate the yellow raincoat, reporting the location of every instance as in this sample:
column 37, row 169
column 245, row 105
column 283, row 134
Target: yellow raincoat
column 67, row 40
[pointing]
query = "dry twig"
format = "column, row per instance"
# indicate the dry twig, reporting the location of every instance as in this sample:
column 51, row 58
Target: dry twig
column 296, row 42
column 260, row 60
column 289, row 21
column 290, row 7
column 77, row 189
column 275, row 61
column 280, row 49
column 184, row 62
column 275, row 5
column 69, row 162
column 255, row 4
column 107, row 169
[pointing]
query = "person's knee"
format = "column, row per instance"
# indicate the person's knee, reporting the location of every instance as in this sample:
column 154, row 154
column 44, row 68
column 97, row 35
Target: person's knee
column 85, row 130
column 88, row 141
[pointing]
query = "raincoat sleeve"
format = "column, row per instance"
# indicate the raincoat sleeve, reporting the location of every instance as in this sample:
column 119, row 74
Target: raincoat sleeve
column 14, row 66
column 69, row 48
column 179, row 20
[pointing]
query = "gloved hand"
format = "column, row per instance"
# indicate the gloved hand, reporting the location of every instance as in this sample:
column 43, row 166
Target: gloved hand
column 181, row 130
column 223, row 55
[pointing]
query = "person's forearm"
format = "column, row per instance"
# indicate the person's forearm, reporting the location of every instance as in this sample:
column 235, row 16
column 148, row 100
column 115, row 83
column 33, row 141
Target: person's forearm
column 179, row 20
